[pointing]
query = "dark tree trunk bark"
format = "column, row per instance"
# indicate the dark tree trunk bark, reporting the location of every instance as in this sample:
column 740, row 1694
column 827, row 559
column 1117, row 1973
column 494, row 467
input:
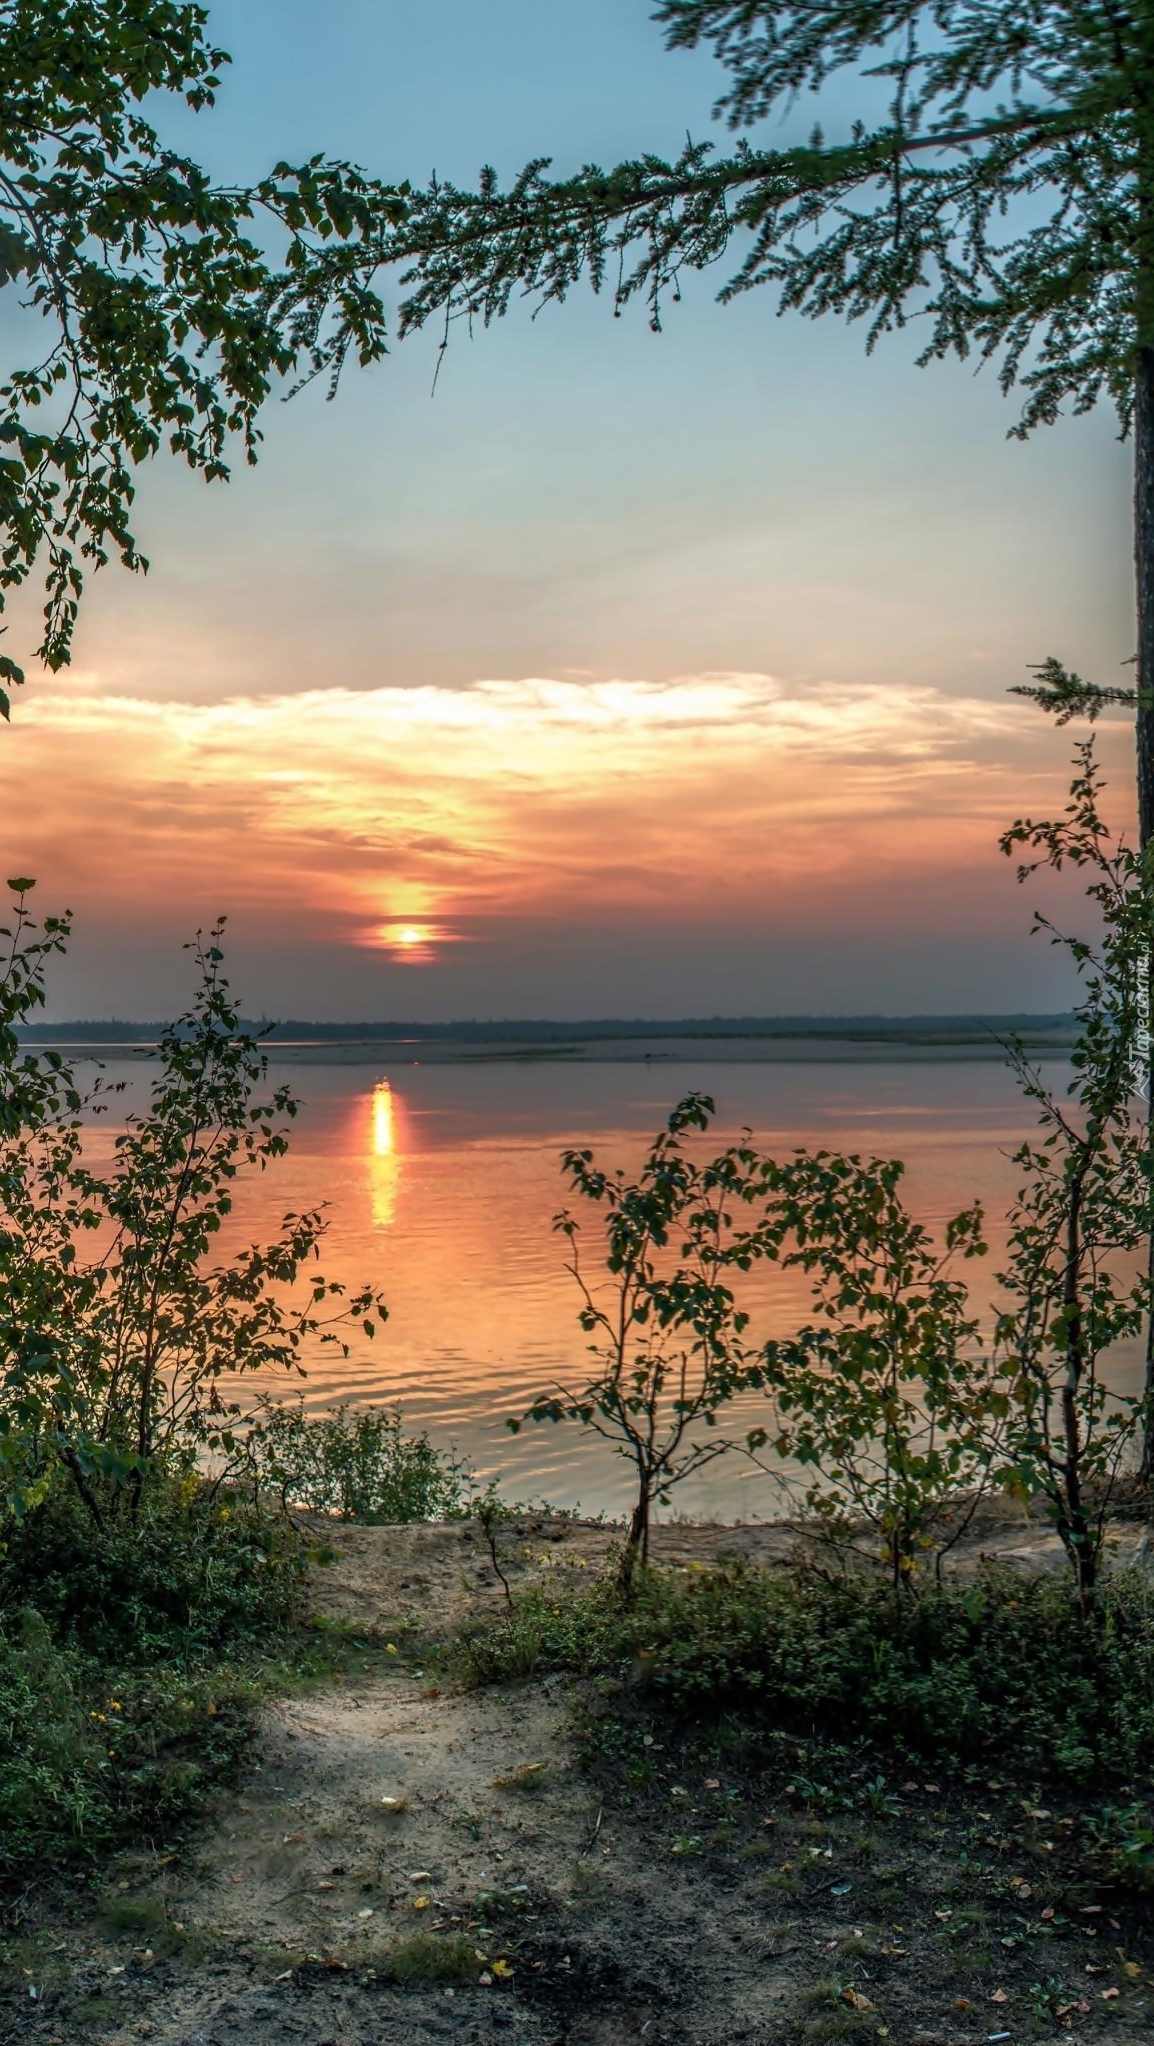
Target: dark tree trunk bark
column 637, row 1544
column 1144, row 585
column 1144, row 591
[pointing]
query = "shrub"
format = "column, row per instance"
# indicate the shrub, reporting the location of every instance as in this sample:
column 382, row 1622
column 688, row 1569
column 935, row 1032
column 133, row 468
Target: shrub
column 129, row 1663
column 95, row 1757
column 959, row 1674
column 356, row 1463
column 202, row 1572
column 887, row 1394
column 123, row 1338
column 668, row 1339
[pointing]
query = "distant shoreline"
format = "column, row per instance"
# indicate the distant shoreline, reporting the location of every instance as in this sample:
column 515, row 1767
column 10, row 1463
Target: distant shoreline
column 737, row 1040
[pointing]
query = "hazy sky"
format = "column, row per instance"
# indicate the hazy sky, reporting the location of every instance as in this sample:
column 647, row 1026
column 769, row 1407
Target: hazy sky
column 627, row 674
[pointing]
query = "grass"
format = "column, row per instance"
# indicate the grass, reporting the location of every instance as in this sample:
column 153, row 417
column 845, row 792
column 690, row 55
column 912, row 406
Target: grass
column 429, row 1957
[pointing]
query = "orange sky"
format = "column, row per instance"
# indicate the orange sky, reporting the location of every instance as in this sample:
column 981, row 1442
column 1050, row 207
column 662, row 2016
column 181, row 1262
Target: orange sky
column 433, row 826
column 289, row 719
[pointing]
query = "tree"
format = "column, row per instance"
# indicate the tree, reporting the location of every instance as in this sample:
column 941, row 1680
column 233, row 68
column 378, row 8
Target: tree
column 166, row 323
column 1074, row 1285
column 1004, row 204
column 668, row 1338
column 123, row 1339
column 888, row 1394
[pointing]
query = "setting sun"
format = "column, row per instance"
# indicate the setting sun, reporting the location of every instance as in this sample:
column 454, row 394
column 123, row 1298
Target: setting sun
column 411, row 942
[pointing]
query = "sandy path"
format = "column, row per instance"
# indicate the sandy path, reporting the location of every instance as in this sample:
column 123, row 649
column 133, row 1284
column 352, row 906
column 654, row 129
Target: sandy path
column 381, row 1811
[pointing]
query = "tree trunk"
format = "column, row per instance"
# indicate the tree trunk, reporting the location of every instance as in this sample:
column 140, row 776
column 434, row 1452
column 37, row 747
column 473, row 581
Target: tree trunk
column 637, row 1542
column 1073, row 1519
column 1144, row 588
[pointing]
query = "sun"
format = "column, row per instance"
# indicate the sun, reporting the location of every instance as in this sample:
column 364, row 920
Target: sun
column 415, row 943
column 419, row 944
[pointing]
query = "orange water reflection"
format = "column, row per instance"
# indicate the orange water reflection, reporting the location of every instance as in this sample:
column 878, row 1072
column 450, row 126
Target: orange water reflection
column 384, row 1155
column 442, row 1181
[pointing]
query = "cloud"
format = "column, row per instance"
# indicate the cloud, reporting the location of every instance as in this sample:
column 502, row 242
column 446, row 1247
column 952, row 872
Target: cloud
column 349, row 811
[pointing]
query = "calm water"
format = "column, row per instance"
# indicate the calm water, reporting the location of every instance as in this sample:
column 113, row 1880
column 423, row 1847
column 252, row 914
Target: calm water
column 443, row 1180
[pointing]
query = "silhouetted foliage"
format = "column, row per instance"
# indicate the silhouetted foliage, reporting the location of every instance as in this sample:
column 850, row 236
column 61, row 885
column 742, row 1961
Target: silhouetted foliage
column 166, row 321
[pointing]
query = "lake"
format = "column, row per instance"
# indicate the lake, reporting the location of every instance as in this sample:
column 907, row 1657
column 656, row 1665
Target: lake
column 442, row 1181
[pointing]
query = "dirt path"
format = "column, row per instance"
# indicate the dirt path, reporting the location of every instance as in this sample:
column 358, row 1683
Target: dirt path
column 529, row 1890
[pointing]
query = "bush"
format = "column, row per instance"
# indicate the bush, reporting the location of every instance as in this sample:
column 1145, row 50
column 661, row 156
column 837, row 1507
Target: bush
column 126, row 1663
column 94, row 1758
column 199, row 1573
column 958, row 1675
column 356, row 1463
column 124, row 1344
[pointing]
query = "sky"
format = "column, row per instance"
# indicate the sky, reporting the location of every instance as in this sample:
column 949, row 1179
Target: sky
column 623, row 675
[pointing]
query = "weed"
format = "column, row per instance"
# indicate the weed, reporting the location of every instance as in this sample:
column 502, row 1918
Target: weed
column 96, row 2010
column 838, row 2011
column 146, row 1919
column 428, row 1957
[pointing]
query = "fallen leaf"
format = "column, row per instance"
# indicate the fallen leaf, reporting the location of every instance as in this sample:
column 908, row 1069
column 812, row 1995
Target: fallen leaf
column 1048, row 1912
column 999, row 1996
column 366, row 1913
column 1109, row 1995
column 711, row 1783
column 420, row 1903
column 962, row 2003
column 486, row 1980
column 325, row 1886
column 1132, row 1969
column 502, row 1971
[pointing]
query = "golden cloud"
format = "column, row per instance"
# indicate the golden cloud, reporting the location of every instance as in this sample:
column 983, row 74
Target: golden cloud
column 436, row 809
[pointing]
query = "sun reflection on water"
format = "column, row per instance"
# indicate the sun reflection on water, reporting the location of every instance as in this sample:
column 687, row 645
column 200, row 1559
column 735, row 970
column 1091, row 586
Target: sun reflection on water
column 384, row 1156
